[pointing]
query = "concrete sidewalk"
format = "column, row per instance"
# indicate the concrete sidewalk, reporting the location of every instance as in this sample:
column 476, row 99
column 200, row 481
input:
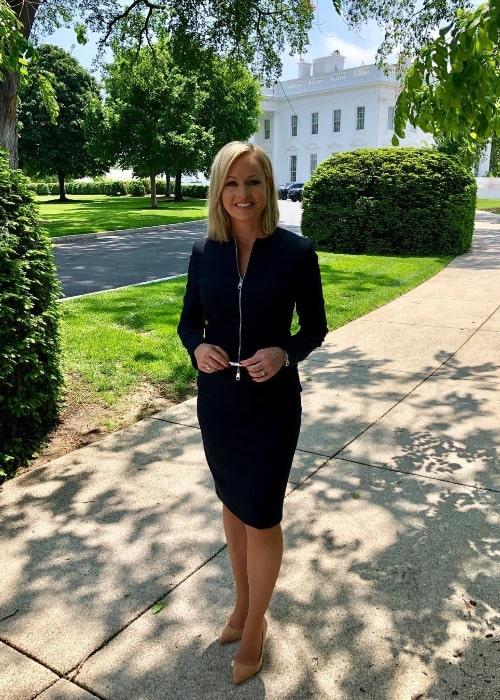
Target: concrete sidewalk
column 390, row 582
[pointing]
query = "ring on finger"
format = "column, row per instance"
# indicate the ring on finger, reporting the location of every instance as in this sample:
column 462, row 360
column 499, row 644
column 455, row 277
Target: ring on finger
column 262, row 373
column 209, row 368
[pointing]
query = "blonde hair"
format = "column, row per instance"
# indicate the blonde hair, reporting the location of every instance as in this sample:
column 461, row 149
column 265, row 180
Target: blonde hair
column 219, row 222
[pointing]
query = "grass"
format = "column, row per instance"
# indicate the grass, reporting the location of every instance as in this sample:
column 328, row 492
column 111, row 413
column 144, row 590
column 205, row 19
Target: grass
column 97, row 213
column 117, row 341
column 120, row 343
column 492, row 205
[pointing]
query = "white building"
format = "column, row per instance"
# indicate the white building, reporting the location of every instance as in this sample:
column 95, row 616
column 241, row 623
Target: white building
column 328, row 109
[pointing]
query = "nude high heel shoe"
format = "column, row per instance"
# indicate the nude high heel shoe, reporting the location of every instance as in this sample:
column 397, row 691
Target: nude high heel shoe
column 230, row 634
column 243, row 671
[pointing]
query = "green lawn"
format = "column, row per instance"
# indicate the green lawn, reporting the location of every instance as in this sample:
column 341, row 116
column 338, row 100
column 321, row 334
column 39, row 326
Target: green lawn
column 96, row 213
column 489, row 205
column 115, row 341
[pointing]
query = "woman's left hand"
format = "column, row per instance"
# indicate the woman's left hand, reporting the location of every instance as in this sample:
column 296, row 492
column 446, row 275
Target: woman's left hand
column 264, row 364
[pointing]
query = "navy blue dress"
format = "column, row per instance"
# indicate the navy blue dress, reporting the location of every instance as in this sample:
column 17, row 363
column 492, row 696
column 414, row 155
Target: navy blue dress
column 250, row 430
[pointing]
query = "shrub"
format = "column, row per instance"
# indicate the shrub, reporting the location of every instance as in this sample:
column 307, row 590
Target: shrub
column 115, row 188
column 390, row 201
column 41, row 188
column 161, row 187
column 85, row 187
column 99, row 185
column 30, row 351
column 136, row 188
column 195, row 191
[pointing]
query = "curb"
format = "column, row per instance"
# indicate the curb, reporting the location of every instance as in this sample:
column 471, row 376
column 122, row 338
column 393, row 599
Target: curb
column 124, row 232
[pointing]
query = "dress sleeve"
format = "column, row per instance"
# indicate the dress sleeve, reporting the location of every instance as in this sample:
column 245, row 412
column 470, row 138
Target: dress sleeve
column 192, row 323
column 310, row 308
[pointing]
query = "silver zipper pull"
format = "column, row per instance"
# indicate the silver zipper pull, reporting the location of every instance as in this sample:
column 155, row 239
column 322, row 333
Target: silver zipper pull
column 238, row 374
column 240, row 284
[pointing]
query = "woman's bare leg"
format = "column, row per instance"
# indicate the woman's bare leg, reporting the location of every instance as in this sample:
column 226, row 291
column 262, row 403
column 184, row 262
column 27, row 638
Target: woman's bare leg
column 264, row 549
column 236, row 538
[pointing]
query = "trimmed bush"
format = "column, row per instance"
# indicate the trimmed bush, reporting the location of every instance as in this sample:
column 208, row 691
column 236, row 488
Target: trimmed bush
column 30, row 352
column 195, row 191
column 115, row 188
column 136, row 188
column 161, row 187
column 390, row 201
column 41, row 188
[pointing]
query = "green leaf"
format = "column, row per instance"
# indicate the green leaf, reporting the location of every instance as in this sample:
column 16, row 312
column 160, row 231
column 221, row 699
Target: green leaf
column 81, row 34
column 157, row 607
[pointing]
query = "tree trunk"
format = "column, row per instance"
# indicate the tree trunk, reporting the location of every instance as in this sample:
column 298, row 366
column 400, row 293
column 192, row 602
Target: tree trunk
column 154, row 201
column 8, row 116
column 62, row 187
column 167, row 186
column 9, row 84
column 178, row 186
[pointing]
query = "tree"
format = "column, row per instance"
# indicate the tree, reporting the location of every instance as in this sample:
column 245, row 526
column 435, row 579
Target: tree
column 467, row 153
column 254, row 31
column 14, row 30
column 151, row 109
column 172, row 118
column 232, row 103
column 452, row 89
column 407, row 24
column 495, row 157
column 58, row 149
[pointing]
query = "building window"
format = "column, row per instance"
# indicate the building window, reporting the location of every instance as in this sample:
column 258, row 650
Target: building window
column 293, row 168
column 313, row 162
column 314, row 123
column 294, row 121
column 390, row 118
column 267, row 128
column 337, row 116
column 360, row 118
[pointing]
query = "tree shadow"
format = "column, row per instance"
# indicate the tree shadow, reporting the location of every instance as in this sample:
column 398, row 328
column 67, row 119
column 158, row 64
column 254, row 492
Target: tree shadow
column 92, row 541
column 382, row 562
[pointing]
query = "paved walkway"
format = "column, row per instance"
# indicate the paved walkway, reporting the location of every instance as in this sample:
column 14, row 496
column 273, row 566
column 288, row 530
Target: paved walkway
column 390, row 585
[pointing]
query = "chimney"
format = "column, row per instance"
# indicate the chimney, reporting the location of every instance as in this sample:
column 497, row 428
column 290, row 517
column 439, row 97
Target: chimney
column 328, row 64
column 304, row 69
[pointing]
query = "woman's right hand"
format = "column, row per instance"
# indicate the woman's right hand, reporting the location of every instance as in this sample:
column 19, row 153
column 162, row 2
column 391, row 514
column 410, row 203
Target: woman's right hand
column 211, row 358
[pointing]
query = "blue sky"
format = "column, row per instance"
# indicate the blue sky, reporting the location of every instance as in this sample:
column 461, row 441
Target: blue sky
column 328, row 34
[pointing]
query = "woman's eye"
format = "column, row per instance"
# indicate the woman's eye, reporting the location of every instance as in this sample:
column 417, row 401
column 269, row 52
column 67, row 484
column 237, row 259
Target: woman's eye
column 231, row 183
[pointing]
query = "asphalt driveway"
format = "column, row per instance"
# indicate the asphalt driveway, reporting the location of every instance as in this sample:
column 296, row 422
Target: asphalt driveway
column 98, row 262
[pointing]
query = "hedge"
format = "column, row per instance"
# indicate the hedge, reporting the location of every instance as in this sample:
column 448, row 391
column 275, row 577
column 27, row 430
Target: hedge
column 390, row 201
column 31, row 377
column 116, row 188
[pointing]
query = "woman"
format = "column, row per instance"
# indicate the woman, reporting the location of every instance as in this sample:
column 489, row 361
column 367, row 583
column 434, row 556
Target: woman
column 244, row 282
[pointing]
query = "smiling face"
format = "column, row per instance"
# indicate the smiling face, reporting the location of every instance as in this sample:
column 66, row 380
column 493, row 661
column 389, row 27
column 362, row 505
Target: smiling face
column 245, row 191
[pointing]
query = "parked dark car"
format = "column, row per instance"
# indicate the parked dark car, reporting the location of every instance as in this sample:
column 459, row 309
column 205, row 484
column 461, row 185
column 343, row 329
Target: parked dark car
column 283, row 190
column 295, row 191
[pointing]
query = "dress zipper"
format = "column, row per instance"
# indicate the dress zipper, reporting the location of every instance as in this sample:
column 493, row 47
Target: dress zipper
column 240, row 285
column 238, row 368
